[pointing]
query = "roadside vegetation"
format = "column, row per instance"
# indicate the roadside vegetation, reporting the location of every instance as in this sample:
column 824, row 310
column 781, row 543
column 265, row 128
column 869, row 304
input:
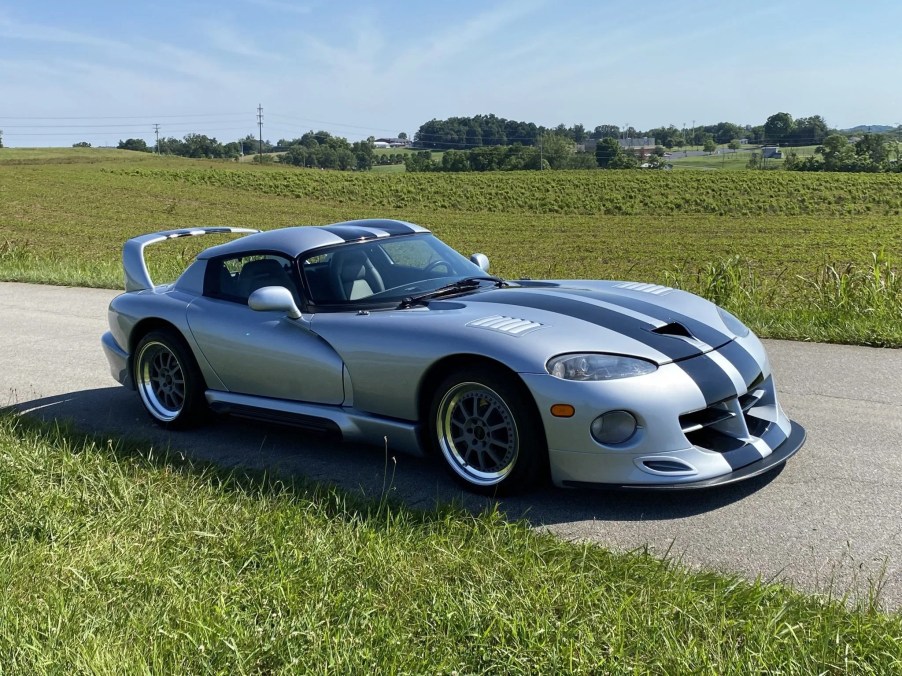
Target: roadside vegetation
column 808, row 256
column 120, row 558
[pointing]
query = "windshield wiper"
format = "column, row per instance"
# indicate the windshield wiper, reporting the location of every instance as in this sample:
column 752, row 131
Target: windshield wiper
column 460, row 286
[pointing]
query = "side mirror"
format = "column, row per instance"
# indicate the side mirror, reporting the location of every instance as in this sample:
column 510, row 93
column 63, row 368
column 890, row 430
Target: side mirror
column 274, row 298
column 481, row 260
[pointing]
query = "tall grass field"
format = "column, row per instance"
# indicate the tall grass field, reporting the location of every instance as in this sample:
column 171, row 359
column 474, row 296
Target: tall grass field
column 118, row 559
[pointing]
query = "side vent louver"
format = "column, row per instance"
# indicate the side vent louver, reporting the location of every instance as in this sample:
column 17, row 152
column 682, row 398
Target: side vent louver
column 509, row 325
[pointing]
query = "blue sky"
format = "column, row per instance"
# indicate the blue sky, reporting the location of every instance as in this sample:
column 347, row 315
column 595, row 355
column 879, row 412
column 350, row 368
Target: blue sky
column 114, row 68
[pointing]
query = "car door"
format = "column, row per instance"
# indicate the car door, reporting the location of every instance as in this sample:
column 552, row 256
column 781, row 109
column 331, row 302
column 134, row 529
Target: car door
column 261, row 353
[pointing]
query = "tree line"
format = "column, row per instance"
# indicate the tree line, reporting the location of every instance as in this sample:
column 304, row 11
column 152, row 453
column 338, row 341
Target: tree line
column 870, row 153
column 462, row 133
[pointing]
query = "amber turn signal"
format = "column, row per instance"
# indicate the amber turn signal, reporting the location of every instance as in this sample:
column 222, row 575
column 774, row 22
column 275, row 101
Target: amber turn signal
column 562, row 411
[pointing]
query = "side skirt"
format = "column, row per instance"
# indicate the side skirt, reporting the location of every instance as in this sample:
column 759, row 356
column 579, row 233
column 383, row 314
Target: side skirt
column 349, row 423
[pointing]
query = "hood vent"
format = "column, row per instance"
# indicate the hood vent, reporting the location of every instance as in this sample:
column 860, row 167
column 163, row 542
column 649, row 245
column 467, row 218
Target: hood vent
column 509, row 325
column 656, row 289
column 673, row 329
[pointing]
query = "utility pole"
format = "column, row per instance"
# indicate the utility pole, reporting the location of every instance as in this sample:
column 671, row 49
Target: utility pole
column 260, row 127
column 156, row 130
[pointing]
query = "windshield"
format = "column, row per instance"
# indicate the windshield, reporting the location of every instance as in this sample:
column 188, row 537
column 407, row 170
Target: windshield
column 383, row 271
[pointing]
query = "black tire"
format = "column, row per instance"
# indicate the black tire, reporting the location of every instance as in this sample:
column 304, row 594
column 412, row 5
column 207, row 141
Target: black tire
column 169, row 381
column 484, row 426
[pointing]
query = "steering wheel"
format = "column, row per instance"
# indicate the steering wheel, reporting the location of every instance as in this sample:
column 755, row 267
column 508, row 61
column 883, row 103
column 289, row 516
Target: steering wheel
column 436, row 264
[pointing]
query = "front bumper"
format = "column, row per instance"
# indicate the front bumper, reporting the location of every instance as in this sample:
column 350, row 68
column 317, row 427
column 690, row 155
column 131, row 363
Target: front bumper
column 780, row 455
column 706, row 421
column 118, row 360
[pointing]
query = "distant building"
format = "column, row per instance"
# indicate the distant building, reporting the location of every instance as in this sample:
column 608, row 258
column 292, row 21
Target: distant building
column 636, row 143
column 771, row 153
column 392, row 142
column 381, row 144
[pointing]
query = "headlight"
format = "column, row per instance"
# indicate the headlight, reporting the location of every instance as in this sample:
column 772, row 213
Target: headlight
column 733, row 324
column 597, row 367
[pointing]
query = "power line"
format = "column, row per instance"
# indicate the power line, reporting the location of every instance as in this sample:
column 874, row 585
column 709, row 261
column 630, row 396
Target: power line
column 126, row 117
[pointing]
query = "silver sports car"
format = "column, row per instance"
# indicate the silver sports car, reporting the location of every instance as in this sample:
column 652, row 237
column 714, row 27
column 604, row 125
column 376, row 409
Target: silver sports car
column 375, row 328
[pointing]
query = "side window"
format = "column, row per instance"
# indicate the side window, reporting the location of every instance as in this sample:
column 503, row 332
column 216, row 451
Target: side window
column 235, row 279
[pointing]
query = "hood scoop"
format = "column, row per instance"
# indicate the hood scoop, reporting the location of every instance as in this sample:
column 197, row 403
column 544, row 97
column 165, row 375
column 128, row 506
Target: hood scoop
column 673, row 329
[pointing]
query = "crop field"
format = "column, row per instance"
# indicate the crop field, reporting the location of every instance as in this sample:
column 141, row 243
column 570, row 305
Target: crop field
column 784, row 250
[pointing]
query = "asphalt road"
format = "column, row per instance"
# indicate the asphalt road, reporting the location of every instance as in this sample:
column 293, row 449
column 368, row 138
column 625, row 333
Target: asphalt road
column 829, row 522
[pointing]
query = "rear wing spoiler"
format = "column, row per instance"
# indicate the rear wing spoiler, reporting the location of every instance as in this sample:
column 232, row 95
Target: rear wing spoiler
column 137, row 278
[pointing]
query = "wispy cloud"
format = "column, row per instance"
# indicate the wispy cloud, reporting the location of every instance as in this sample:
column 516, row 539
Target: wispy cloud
column 229, row 40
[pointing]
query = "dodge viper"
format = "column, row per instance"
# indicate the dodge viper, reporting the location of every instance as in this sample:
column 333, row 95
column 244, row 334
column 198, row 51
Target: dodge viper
column 374, row 329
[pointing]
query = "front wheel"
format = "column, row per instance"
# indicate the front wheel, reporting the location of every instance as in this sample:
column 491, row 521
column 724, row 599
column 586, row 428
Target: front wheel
column 485, row 427
column 168, row 380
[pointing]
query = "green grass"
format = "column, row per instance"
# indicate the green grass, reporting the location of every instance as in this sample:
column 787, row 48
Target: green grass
column 64, row 222
column 117, row 558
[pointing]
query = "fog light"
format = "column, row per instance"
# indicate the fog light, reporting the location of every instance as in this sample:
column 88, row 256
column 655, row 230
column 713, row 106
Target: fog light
column 613, row 427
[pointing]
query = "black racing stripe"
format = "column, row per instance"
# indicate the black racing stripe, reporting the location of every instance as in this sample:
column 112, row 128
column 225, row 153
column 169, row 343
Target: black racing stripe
column 350, row 233
column 393, row 227
column 702, row 331
column 712, row 380
column 745, row 363
column 742, row 456
column 618, row 322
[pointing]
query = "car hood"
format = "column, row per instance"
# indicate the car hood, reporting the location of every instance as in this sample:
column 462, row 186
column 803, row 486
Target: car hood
column 644, row 320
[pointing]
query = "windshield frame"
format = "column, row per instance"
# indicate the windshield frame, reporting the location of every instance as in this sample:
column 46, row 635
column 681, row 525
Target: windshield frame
column 459, row 268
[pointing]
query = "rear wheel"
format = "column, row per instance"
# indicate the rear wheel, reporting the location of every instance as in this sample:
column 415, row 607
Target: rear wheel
column 485, row 427
column 169, row 382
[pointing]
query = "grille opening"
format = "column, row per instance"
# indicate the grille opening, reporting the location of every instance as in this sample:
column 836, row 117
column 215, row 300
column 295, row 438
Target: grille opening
column 712, row 415
column 749, row 399
column 721, row 426
column 713, row 440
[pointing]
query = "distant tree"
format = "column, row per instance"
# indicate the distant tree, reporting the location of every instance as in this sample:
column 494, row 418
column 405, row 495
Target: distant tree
column 420, row 161
column 581, row 161
column 363, row 155
column 778, row 127
column 606, row 131
column 627, row 159
column 578, row 133
column 455, row 160
column 231, row 150
column 81, row 144
column 201, row 145
column 709, row 146
column 724, row 132
column 754, row 161
column 1, row 138
column 138, row 144
column 835, row 150
column 809, row 131
column 556, row 149
column 733, row 145
column 171, row 146
column 874, row 147
column 402, row 135
column 607, row 150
